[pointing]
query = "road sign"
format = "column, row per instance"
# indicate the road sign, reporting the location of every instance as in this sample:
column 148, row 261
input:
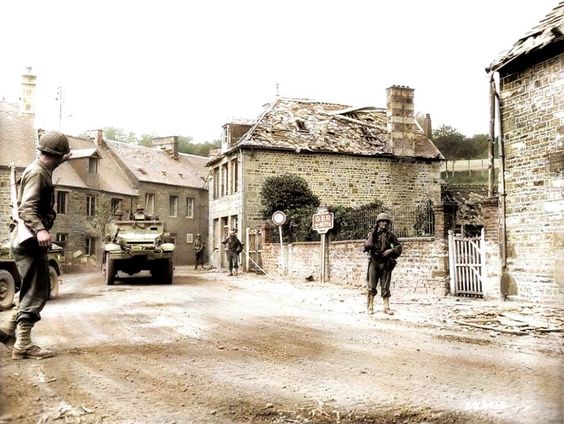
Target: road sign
column 279, row 218
column 322, row 222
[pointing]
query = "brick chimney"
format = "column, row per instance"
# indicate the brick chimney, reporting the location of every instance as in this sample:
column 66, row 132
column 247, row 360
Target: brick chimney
column 99, row 140
column 27, row 104
column 427, row 127
column 401, row 121
column 168, row 144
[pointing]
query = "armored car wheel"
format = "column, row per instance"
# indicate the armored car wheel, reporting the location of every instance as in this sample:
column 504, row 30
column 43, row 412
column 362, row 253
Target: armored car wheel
column 110, row 271
column 53, row 283
column 7, row 290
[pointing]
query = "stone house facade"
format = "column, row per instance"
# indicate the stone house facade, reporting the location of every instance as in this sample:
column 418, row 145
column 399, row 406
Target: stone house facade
column 531, row 104
column 349, row 156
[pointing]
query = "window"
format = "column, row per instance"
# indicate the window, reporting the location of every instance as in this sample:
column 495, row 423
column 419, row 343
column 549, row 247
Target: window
column 90, row 205
column 234, row 176
column 224, row 179
column 90, row 246
column 301, row 125
column 116, row 206
column 234, row 222
column 150, row 203
column 173, row 205
column 189, row 238
column 189, row 207
column 93, row 165
column 216, row 182
column 62, row 202
column 61, row 238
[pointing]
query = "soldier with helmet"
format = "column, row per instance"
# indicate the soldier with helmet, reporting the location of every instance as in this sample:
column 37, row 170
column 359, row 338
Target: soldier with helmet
column 384, row 248
column 35, row 208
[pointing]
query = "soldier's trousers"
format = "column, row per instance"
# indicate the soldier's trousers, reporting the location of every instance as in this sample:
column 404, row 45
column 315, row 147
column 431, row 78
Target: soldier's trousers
column 233, row 259
column 378, row 273
column 31, row 261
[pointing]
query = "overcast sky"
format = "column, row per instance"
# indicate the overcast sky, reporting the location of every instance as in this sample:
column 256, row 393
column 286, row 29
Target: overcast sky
column 186, row 68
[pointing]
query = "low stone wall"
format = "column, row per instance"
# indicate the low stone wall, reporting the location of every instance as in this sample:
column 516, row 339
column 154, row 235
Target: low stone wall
column 422, row 267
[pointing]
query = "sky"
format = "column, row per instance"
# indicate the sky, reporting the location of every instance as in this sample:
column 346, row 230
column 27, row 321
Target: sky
column 186, row 68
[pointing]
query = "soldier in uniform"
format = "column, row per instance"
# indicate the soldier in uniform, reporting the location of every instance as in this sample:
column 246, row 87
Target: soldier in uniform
column 384, row 248
column 140, row 214
column 199, row 247
column 35, row 208
column 234, row 247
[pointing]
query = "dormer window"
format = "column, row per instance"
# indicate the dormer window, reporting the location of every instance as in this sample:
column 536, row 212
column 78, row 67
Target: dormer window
column 301, row 125
column 93, row 165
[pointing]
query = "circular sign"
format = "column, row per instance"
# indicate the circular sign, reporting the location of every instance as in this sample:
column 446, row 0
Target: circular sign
column 279, row 218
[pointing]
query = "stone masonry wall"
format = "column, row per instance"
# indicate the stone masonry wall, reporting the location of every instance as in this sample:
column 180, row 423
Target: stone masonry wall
column 422, row 267
column 342, row 179
column 533, row 124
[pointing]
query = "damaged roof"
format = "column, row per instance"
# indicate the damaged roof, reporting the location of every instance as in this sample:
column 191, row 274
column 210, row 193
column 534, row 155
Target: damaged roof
column 303, row 125
column 157, row 166
column 17, row 136
column 549, row 31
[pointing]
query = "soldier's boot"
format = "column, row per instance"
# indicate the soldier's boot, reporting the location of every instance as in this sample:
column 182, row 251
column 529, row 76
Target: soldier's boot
column 235, row 271
column 24, row 347
column 8, row 330
column 370, row 303
column 387, row 309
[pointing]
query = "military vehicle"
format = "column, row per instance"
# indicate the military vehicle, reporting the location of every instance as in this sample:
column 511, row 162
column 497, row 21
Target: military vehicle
column 136, row 245
column 10, row 280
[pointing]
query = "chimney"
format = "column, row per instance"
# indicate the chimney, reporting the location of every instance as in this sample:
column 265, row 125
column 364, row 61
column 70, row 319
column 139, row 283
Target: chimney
column 27, row 104
column 401, row 121
column 168, row 144
column 427, row 127
column 99, row 140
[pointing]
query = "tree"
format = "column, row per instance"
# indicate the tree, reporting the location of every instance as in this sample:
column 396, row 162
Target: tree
column 286, row 193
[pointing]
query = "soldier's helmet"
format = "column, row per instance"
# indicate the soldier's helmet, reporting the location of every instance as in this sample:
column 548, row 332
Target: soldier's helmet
column 54, row 142
column 383, row 217
column 140, row 208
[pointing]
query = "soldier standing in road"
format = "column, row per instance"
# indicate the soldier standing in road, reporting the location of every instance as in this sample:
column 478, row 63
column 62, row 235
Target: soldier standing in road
column 384, row 248
column 35, row 208
column 234, row 247
column 199, row 247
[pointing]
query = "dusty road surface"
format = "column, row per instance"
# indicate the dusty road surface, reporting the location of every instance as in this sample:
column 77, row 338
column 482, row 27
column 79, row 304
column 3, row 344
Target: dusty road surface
column 216, row 349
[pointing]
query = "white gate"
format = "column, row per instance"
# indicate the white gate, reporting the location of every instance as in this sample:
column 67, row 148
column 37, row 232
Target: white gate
column 466, row 264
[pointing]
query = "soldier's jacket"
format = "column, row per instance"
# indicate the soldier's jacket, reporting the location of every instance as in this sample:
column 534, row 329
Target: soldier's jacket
column 35, row 197
column 380, row 241
column 198, row 244
column 233, row 244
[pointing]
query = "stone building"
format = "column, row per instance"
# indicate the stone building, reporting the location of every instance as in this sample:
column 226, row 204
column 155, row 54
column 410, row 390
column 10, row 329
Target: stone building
column 531, row 104
column 349, row 156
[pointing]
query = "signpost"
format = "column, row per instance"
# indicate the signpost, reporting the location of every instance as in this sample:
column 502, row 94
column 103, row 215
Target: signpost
column 322, row 221
column 279, row 218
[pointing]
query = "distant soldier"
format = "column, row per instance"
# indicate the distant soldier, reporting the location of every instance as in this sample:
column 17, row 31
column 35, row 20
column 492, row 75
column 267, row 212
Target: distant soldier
column 384, row 248
column 199, row 247
column 234, row 247
column 140, row 214
column 35, row 208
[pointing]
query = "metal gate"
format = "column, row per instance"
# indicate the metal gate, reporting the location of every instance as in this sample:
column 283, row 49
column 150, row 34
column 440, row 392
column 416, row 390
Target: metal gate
column 466, row 264
column 253, row 257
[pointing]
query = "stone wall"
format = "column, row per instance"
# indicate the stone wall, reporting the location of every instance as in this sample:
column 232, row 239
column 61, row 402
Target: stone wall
column 422, row 267
column 345, row 180
column 5, row 202
column 533, row 133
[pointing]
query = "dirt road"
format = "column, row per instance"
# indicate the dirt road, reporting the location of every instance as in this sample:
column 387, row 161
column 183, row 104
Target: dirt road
column 216, row 349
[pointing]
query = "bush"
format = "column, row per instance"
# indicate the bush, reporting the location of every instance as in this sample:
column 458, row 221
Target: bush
column 286, row 193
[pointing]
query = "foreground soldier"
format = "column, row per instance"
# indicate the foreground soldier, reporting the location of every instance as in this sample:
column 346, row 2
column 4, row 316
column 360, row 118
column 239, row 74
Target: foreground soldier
column 35, row 208
column 384, row 248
